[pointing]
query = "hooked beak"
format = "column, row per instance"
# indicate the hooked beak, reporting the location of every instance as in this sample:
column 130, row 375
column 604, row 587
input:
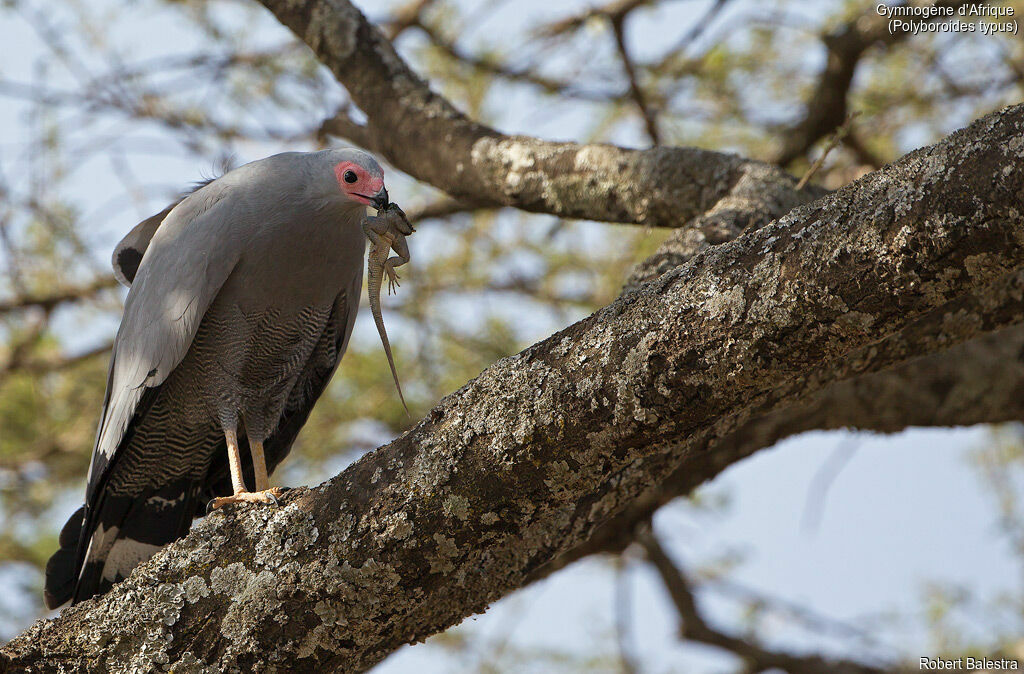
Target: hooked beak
column 380, row 200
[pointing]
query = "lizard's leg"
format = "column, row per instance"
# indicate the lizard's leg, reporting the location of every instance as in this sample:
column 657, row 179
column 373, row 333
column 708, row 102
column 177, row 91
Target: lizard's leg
column 384, row 234
column 401, row 247
column 263, row 493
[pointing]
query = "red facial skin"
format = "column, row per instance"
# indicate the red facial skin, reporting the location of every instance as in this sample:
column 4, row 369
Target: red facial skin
column 364, row 188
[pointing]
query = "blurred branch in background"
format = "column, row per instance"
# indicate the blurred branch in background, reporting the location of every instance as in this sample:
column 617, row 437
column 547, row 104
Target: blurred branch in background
column 693, row 627
column 49, row 301
column 827, row 106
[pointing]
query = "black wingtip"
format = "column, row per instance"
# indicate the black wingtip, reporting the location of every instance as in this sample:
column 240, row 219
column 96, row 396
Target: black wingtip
column 60, row 578
column 61, row 568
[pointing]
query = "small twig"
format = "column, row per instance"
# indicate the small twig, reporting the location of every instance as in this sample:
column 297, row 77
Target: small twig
column 699, row 26
column 693, row 627
column 343, row 126
column 405, row 17
column 833, row 141
column 493, row 66
column 823, row 479
column 623, row 608
column 861, row 152
column 650, row 118
column 440, row 208
column 19, row 363
column 798, row 613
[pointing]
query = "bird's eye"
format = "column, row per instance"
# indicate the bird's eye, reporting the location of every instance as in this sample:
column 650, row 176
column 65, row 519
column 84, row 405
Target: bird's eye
column 351, row 177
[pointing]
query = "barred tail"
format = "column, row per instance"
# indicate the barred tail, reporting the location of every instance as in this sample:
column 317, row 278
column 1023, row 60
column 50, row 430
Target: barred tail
column 122, row 532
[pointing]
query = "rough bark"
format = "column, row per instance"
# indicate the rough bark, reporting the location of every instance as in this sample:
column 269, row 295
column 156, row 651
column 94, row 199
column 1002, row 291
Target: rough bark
column 422, row 134
column 748, row 205
column 975, row 382
column 526, row 461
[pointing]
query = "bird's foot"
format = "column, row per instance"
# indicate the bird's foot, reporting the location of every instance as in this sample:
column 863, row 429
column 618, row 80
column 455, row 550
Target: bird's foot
column 266, row 496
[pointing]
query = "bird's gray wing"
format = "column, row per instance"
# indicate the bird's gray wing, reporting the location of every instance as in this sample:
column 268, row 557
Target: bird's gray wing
column 188, row 259
column 129, row 251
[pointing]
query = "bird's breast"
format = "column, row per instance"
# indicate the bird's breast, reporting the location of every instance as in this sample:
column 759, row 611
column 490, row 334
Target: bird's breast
column 307, row 262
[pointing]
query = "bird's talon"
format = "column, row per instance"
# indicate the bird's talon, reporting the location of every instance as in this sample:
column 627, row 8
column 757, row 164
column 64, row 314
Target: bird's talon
column 219, row 502
column 266, row 496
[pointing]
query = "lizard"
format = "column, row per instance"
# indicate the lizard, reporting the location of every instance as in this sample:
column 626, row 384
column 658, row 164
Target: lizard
column 386, row 231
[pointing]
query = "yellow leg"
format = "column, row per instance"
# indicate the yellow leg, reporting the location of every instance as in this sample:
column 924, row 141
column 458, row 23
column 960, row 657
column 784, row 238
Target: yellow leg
column 259, row 465
column 235, row 461
column 264, row 493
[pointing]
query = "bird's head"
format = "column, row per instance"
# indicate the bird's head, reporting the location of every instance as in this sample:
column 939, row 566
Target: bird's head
column 360, row 178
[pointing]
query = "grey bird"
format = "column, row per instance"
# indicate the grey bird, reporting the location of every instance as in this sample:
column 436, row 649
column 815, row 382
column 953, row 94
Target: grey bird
column 241, row 303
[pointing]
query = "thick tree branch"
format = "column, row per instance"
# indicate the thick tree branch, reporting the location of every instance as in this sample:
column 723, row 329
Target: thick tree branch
column 979, row 381
column 422, row 134
column 747, row 206
column 527, row 460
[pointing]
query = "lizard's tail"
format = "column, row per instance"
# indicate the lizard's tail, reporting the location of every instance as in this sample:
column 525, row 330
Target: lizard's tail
column 391, row 361
column 375, row 274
